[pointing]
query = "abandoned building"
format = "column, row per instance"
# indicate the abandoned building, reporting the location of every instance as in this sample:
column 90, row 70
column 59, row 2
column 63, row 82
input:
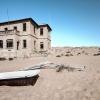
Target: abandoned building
column 20, row 38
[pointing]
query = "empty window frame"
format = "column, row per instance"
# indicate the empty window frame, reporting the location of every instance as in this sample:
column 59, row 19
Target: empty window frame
column 34, row 45
column 24, row 44
column 41, row 45
column 9, row 43
column 41, row 31
column 24, row 26
column 15, row 27
column 17, row 45
column 6, row 29
column 1, row 43
column 34, row 29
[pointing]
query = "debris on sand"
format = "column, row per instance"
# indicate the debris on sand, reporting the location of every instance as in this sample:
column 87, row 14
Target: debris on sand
column 58, row 56
column 69, row 68
column 58, row 67
column 97, row 54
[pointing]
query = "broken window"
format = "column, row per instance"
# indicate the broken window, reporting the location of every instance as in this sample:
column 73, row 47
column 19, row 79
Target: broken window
column 41, row 45
column 24, row 44
column 24, row 26
column 41, row 31
column 9, row 43
column 1, row 43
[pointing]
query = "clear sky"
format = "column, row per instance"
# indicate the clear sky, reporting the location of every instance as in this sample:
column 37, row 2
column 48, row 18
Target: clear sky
column 74, row 22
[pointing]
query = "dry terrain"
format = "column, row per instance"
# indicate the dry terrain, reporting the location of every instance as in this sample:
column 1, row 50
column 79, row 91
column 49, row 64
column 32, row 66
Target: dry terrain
column 52, row 85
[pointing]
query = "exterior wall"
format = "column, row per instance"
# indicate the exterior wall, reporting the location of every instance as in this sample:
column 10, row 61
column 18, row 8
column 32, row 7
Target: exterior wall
column 7, row 51
column 32, row 37
column 32, row 28
column 19, row 27
column 45, row 42
column 45, row 39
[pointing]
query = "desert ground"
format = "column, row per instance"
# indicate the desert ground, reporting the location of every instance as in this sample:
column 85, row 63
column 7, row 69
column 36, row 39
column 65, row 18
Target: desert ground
column 53, row 85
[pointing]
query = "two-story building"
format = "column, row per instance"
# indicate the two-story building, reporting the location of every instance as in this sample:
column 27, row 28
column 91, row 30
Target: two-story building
column 20, row 38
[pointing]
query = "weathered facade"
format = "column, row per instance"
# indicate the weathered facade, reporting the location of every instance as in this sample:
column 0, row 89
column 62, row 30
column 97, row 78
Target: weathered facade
column 20, row 38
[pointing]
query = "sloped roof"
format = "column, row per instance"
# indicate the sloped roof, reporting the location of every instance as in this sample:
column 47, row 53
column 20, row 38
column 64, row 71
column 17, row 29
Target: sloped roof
column 26, row 19
column 46, row 25
column 20, row 20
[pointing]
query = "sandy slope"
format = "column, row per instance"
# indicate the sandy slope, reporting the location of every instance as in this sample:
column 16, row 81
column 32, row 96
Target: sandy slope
column 52, row 85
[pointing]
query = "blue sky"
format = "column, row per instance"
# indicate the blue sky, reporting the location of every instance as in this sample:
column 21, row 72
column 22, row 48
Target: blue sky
column 74, row 22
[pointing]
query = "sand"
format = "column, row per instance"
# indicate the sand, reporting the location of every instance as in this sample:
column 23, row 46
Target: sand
column 52, row 85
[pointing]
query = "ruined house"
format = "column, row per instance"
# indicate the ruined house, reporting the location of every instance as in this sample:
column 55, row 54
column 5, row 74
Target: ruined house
column 20, row 38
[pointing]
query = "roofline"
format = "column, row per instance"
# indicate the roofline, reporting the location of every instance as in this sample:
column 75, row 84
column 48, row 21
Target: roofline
column 20, row 20
column 46, row 25
column 26, row 19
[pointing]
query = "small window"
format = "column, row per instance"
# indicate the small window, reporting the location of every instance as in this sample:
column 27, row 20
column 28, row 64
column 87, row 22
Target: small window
column 6, row 29
column 15, row 28
column 34, row 44
column 41, row 31
column 9, row 43
column 34, row 29
column 1, row 43
column 41, row 45
column 24, row 44
column 24, row 26
column 17, row 45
